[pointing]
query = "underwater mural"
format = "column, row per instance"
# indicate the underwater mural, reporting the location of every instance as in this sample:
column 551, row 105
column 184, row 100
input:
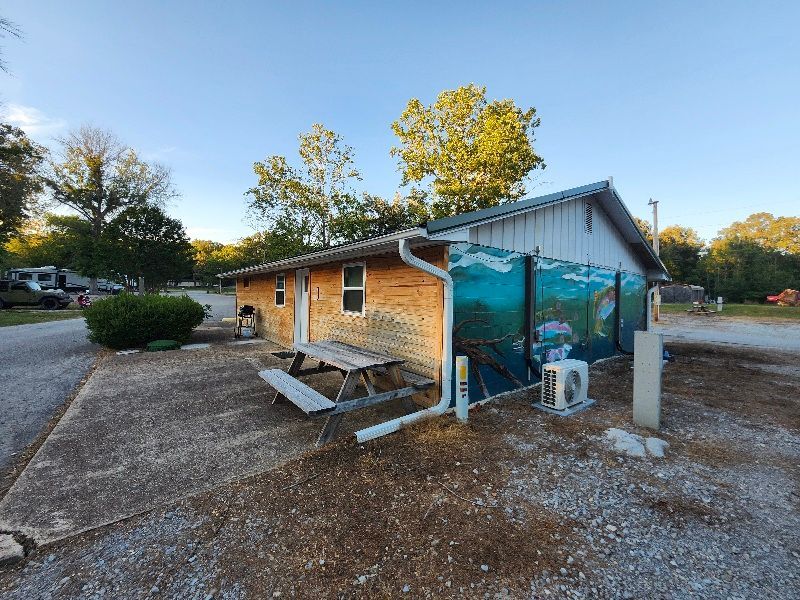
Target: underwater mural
column 573, row 311
column 489, row 317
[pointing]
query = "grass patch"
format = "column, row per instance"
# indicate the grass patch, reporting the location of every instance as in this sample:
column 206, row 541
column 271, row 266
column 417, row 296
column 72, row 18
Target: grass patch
column 24, row 317
column 759, row 311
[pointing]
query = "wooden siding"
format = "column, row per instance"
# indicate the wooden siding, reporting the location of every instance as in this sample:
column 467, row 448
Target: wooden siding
column 560, row 231
column 272, row 322
column 402, row 311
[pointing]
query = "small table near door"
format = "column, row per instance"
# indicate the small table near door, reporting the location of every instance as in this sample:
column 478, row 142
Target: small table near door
column 355, row 364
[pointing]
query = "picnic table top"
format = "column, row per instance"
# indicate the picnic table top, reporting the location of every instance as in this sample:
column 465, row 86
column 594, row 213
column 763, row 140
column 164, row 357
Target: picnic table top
column 345, row 356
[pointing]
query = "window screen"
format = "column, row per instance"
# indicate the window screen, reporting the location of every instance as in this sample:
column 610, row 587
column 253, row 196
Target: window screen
column 353, row 289
column 280, row 290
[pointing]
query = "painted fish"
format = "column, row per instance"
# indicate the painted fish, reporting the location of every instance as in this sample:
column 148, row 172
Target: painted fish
column 558, row 353
column 553, row 329
column 605, row 301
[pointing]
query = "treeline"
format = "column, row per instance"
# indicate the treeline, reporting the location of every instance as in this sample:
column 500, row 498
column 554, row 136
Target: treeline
column 747, row 261
column 460, row 153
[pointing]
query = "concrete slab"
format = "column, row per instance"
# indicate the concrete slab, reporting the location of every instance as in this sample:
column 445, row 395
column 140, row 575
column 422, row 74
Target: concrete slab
column 195, row 346
column 10, row 551
column 147, row 429
column 567, row 411
column 150, row 428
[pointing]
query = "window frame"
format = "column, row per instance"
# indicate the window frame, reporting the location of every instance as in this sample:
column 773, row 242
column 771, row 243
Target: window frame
column 362, row 288
column 283, row 289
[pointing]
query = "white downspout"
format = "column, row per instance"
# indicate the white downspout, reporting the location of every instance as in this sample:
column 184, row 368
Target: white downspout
column 447, row 353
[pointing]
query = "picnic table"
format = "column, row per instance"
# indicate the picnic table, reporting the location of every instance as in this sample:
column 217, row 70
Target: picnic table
column 354, row 364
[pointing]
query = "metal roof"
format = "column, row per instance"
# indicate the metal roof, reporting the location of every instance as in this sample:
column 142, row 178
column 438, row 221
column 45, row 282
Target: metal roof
column 602, row 191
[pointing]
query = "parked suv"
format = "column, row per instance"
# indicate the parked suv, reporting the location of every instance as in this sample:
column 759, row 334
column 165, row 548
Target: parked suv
column 30, row 293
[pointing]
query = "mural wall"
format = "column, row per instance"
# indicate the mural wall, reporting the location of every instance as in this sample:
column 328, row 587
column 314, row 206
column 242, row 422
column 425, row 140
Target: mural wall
column 573, row 311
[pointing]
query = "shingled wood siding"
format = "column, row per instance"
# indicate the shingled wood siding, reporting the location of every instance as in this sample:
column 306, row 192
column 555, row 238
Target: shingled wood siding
column 402, row 311
column 272, row 322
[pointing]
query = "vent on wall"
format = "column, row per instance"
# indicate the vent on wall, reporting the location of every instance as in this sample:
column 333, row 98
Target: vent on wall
column 588, row 217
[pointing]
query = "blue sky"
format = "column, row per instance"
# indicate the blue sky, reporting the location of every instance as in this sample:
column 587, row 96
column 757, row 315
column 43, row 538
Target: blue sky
column 692, row 103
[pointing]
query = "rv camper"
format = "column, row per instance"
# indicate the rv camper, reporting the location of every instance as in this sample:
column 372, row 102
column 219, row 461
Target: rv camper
column 51, row 278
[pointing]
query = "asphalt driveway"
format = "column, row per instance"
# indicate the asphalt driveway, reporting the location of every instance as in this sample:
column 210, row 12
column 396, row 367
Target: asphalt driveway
column 222, row 305
column 40, row 365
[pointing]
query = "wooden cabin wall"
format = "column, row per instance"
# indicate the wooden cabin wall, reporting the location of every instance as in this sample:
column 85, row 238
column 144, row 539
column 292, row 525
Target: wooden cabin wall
column 402, row 311
column 273, row 323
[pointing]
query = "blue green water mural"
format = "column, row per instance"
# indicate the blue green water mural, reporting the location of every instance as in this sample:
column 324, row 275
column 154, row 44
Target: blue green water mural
column 572, row 314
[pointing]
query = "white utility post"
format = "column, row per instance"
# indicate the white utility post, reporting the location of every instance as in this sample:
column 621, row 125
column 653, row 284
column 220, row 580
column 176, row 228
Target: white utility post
column 648, row 362
column 657, row 249
column 462, row 388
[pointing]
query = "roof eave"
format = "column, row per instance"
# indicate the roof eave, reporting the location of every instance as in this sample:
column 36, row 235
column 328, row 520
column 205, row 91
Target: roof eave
column 329, row 254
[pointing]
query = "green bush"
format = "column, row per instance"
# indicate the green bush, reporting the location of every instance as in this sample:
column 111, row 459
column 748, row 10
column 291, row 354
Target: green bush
column 127, row 321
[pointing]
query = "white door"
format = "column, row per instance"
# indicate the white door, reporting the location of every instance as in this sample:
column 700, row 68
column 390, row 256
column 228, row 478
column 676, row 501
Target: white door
column 301, row 297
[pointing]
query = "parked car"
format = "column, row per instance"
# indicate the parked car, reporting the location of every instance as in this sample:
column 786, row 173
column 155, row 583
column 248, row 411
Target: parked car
column 30, row 293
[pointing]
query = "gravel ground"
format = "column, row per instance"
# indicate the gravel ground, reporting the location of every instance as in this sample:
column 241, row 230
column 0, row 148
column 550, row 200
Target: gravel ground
column 783, row 335
column 517, row 504
column 41, row 365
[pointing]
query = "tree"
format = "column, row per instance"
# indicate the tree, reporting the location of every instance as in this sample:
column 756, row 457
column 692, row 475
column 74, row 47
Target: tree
column 475, row 153
column 777, row 233
column 7, row 28
column 374, row 216
column 63, row 241
column 20, row 182
column 646, row 229
column 680, row 252
column 307, row 199
column 142, row 241
column 99, row 178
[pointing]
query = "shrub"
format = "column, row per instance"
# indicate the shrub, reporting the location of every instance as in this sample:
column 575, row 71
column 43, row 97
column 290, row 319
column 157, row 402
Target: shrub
column 127, row 321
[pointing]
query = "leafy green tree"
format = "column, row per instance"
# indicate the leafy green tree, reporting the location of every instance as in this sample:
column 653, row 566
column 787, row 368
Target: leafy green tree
column 20, row 182
column 99, row 178
column 63, row 241
column 374, row 216
column 142, row 241
column 680, row 249
column 742, row 270
column 474, row 153
column 309, row 198
column 778, row 233
column 645, row 227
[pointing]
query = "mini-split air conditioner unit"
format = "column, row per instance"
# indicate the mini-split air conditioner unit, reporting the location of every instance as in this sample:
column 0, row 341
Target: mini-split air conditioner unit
column 565, row 383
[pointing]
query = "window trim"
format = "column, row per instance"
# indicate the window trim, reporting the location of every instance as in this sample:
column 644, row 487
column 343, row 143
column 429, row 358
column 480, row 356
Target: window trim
column 363, row 288
column 283, row 289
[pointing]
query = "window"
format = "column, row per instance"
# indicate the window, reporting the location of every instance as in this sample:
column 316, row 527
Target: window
column 280, row 290
column 20, row 286
column 24, row 276
column 246, row 283
column 353, row 289
column 44, row 277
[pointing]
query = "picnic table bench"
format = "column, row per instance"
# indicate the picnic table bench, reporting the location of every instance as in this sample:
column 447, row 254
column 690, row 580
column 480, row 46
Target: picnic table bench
column 354, row 364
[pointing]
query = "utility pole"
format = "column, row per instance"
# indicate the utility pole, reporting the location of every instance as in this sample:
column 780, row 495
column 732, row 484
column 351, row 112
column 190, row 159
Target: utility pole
column 656, row 248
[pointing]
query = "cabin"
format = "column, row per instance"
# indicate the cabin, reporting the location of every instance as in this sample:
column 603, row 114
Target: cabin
column 564, row 275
